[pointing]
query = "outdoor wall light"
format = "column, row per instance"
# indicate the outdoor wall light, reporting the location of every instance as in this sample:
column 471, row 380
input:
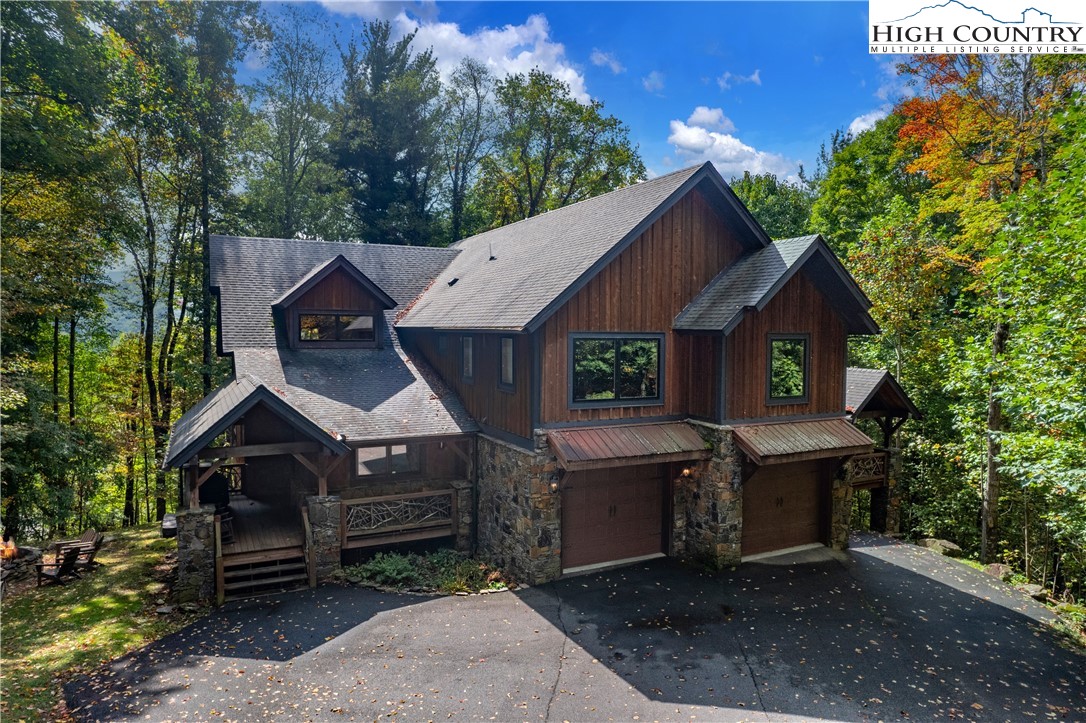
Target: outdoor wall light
column 554, row 487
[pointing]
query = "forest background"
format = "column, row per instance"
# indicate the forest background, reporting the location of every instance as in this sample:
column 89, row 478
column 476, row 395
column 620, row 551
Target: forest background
column 127, row 140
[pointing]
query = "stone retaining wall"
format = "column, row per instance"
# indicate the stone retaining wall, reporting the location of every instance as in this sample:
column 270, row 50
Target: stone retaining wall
column 520, row 520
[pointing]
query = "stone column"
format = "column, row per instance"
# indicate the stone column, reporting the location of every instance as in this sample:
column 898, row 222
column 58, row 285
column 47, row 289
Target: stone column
column 713, row 502
column 841, row 507
column 464, row 523
column 893, row 493
column 324, row 519
column 196, row 554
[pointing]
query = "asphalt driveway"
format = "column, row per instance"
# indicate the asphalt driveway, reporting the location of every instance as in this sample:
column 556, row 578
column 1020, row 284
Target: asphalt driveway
column 887, row 631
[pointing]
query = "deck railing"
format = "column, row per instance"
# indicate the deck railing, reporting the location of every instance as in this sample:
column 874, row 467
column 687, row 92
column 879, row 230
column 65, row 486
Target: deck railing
column 371, row 521
column 307, row 548
column 870, row 470
column 220, row 576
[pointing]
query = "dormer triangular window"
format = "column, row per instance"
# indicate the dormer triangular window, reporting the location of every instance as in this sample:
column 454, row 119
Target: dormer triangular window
column 335, row 305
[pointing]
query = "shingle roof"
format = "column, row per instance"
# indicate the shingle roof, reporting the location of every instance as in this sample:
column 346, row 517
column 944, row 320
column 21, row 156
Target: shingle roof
column 510, row 277
column 746, row 283
column 862, row 386
column 252, row 273
column 363, row 394
column 200, row 425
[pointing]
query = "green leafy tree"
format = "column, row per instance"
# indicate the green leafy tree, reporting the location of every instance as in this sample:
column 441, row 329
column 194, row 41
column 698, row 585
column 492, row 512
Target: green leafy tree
column 782, row 208
column 467, row 132
column 385, row 137
column 551, row 150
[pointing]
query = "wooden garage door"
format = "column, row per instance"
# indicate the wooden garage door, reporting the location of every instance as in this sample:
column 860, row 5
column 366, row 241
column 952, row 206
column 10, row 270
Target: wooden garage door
column 784, row 505
column 612, row 514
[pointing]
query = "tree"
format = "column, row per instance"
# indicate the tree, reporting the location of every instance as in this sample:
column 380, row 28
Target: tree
column 782, row 208
column 292, row 188
column 466, row 134
column 385, row 141
column 551, row 150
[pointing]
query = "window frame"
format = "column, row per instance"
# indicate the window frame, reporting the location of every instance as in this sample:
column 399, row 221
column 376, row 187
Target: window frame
column 467, row 353
column 299, row 342
column 804, row 398
column 413, row 453
column 661, row 366
column 512, row 383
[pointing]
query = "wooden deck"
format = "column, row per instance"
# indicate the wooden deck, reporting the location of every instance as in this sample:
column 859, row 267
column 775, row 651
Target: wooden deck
column 263, row 532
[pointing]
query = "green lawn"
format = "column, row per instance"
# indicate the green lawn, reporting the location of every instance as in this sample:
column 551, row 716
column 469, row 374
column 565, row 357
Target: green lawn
column 51, row 633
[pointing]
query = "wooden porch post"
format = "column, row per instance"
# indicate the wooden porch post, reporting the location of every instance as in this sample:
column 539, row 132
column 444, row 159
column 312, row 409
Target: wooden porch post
column 194, row 485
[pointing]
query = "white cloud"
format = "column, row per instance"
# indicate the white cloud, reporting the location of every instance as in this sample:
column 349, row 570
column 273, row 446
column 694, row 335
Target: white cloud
column 867, row 121
column 892, row 86
column 730, row 155
column 505, row 50
column 730, row 79
column 609, row 60
column 382, row 9
column 711, row 119
column 653, row 82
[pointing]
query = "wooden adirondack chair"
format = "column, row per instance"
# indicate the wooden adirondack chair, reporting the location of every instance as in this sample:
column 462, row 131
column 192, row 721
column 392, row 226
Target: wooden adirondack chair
column 86, row 540
column 85, row 561
column 57, row 571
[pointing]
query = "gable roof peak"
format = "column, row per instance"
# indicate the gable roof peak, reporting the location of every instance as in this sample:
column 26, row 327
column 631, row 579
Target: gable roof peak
column 321, row 271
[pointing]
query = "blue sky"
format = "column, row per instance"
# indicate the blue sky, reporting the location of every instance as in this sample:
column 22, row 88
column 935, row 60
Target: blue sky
column 753, row 86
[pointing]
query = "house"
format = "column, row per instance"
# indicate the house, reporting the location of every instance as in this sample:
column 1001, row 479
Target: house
column 642, row 373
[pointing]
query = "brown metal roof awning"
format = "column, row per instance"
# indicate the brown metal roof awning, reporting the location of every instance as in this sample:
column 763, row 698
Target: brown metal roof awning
column 620, row 446
column 797, row 441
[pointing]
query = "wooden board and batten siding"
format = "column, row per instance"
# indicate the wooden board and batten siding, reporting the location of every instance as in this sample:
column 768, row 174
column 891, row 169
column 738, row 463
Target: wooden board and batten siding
column 338, row 292
column 641, row 291
column 509, row 411
column 799, row 307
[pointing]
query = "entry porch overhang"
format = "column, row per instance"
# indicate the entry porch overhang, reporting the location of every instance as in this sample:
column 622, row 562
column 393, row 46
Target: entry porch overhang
column 584, row 448
column 782, row 442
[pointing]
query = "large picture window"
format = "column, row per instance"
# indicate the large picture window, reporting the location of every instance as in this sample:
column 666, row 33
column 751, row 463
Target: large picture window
column 336, row 327
column 390, row 459
column 615, row 370
column 787, row 373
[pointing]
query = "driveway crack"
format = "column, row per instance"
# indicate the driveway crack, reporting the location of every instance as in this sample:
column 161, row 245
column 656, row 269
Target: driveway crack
column 750, row 671
column 561, row 655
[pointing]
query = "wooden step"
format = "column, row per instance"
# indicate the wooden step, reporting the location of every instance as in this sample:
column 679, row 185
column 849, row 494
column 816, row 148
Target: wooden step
column 233, row 573
column 282, row 580
column 249, row 558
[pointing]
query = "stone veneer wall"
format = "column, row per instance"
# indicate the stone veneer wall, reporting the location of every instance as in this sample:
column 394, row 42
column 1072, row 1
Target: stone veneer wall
column 708, row 507
column 841, row 507
column 520, row 519
column 324, row 520
column 886, row 501
column 464, row 524
column 196, row 554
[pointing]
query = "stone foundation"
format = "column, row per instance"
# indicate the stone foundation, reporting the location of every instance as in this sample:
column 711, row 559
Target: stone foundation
column 708, row 507
column 196, row 555
column 520, row 519
column 464, row 523
column 324, row 519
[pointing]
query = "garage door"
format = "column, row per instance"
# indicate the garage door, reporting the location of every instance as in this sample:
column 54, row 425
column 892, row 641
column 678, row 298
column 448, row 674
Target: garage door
column 784, row 505
column 612, row 514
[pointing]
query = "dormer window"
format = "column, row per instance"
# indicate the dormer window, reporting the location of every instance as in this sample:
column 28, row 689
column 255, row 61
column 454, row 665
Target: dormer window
column 336, row 327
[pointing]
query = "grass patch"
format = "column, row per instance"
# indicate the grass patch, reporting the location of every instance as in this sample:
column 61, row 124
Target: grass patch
column 445, row 571
column 53, row 633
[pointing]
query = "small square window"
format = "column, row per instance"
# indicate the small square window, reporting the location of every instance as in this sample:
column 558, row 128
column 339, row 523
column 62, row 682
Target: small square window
column 467, row 359
column 787, row 372
column 371, row 460
column 505, row 377
column 389, row 459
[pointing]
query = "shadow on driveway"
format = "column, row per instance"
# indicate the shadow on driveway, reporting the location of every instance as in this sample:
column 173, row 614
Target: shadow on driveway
column 886, row 631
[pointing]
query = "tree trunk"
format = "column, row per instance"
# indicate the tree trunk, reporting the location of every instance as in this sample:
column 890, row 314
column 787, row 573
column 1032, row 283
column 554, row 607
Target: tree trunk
column 71, row 371
column 56, row 369
column 205, row 271
column 989, row 518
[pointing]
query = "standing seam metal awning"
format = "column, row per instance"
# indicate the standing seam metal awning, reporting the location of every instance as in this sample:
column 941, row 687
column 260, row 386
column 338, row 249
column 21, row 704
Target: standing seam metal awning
column 782, row 442
column 626, row 445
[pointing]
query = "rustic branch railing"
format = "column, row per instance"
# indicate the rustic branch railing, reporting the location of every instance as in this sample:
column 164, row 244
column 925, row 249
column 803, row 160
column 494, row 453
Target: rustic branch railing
column 397, row 518
column 870, row 470
column 307, row 544
column 220, row 576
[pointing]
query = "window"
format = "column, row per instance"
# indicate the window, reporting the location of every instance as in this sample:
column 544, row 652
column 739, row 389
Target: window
column 615, row 370
column 787, row 373
column 336, row 327
column 505, row 376
column 390, row 459
column 467, row 359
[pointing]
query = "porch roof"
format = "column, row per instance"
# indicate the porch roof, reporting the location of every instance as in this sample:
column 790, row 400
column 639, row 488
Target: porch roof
column 876, row 393
column 625, row 445
column 782, row 442
column 199, row 426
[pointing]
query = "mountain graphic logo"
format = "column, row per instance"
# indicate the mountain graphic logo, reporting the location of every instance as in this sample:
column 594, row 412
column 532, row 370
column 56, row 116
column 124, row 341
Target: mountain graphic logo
column 1028, row 16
